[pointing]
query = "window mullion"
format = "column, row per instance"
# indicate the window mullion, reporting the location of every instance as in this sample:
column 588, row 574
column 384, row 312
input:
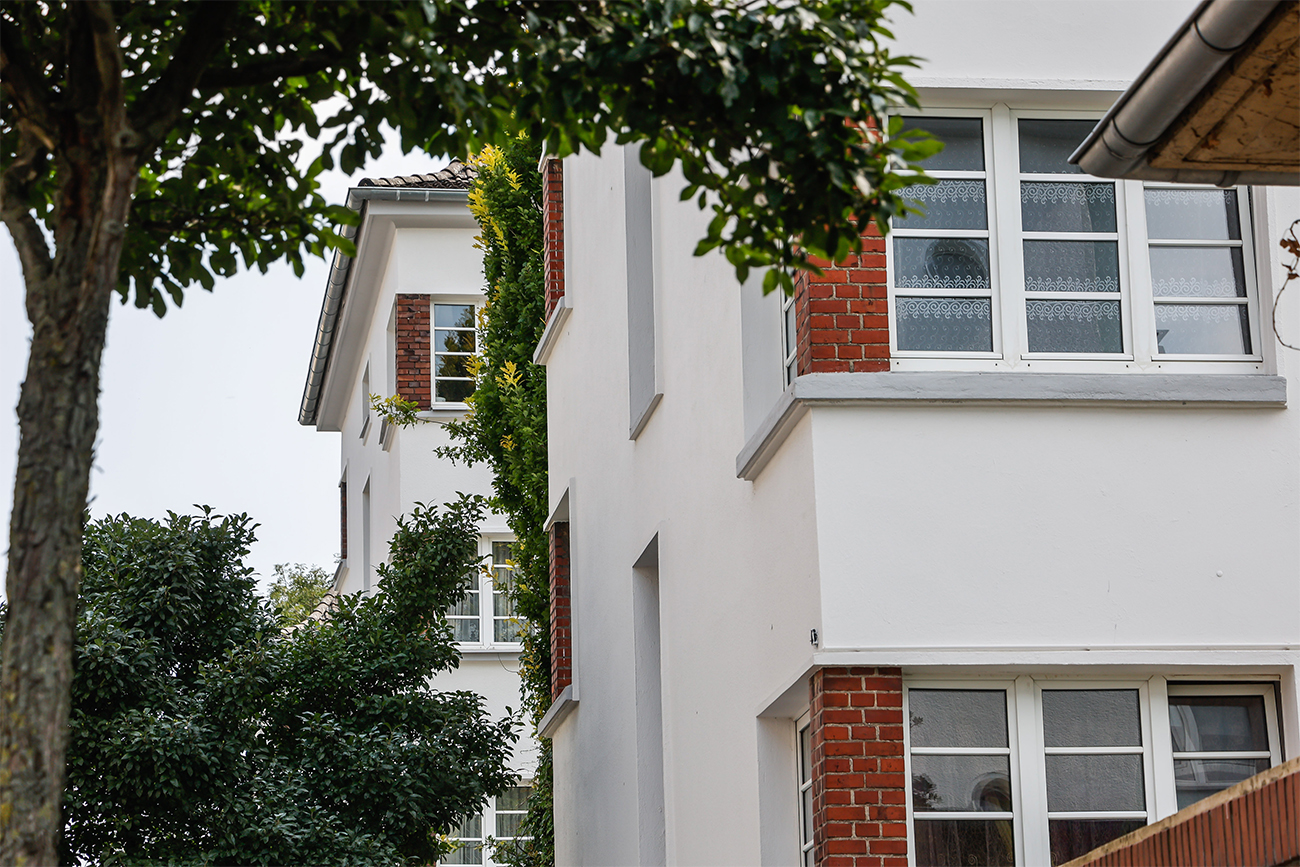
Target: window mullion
column 1139, row 277
column 1032, row 807
column 1009, row 276
column 1164, row 801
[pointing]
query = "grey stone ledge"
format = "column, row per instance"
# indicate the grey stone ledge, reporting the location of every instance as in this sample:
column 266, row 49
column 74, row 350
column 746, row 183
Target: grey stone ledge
column 912, row 388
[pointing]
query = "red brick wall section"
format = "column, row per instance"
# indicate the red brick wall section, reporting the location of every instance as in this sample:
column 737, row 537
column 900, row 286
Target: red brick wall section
column 843, row 321
column 858, row 781
column 343, row 520
column 561, row 621
column 553, row 232
column 1255, row 823
column 414, row 350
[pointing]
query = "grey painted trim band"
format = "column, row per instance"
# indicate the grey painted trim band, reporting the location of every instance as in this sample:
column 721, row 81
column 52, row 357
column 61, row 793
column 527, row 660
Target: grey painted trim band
column 551, row 331
column 910, row 388
column 565, row 703
column 1117, row 147
column 336, row 286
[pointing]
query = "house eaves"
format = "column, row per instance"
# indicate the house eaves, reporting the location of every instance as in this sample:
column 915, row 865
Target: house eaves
column 1219, row 104
column 449, row 185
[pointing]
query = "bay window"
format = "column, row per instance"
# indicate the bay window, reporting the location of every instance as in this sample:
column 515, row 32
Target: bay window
column 1021, row 261
column 1038, row 771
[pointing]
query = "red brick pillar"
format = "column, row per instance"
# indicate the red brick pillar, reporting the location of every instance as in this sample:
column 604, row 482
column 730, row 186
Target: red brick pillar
column 858, row 780
column 553, row 232
column 414, row 350
column 561, row 622
column 843, row 320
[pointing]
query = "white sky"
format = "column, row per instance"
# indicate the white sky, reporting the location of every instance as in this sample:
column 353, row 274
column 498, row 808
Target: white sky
column 201, row 406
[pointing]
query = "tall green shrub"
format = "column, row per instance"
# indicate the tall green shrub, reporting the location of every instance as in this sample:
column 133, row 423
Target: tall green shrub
column 506, row 428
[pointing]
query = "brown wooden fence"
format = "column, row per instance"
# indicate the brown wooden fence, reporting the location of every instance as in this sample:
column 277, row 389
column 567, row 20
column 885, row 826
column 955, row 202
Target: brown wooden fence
column 1256, row 823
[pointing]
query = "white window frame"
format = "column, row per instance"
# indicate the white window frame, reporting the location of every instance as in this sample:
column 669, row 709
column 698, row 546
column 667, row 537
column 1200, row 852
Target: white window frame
column 436, row 301
column 806, row 841
column 1028, row 752
column 485, row 574
column 1006, row 265
column 488, row 829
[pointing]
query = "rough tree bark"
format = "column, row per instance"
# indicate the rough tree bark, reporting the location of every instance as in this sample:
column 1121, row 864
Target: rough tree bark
column 97, row 152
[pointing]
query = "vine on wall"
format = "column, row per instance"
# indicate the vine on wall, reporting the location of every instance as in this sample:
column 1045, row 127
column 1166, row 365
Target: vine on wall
column 506, row 429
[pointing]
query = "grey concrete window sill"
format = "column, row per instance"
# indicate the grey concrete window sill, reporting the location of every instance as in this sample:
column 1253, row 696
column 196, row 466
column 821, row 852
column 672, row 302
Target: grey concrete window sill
column 912, row 388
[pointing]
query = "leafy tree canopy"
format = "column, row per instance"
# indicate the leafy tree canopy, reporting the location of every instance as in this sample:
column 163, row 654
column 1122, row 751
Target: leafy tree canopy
column 200, row 733
column 297, row 590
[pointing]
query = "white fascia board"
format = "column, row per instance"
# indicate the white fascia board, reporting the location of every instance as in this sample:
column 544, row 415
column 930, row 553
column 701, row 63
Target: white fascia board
column 379, row 224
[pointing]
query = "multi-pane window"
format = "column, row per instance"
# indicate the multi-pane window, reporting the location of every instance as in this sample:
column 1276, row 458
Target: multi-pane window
column 477, row 835
column 806, row 852
column 1039, row 772
column 1070, row 243
column 453, row 346
column 1022, row 261
column 1095, row 768
column 789, row 339
column 961, row 776
column 1198, row 271
column 485, row 615
column 1221, row 735
column 943, row 298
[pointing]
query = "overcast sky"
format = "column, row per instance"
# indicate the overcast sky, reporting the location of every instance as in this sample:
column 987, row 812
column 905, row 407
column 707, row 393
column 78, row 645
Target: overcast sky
column 201, row 406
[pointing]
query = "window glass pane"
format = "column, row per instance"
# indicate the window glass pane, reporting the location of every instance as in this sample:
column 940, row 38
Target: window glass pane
column 963, row 142
column 957, row 717
column 1067, row 207
column 944, row 324
column 1046, row 145
column 1197, row 272
column 453, row 341
column 958, row 843
column 1074, row 326
column 466, row 606
column 1071, row 838
column 1199, row 778
column 805, row 754
column 948, row 205
column 961, row 783
column 941, row 263
column 1203, row 329
column 508, row 825
column 1091, row 718
column 466, row 630
column 1071, row 266
column 807, row 814
column 790, row 335
column 453, row 315
column 470, row 834
column 453, row 365
column 454, row 390
column 1192, row 214
column 513, row 798
column 1084, row 783
column 1217, row 723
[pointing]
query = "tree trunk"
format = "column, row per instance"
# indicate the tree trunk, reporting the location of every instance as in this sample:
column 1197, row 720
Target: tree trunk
column 58, row 417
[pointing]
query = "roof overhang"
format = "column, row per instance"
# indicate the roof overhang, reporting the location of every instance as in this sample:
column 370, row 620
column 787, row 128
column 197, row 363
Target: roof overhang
column 1219, row 104
column 353, row 285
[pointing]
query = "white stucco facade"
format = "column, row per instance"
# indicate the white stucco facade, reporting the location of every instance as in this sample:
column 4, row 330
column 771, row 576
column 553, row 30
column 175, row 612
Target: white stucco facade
column 411, row 244
column 1104, row 535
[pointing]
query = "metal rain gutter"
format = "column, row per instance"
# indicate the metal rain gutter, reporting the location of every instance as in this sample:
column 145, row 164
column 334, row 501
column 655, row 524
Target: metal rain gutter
column 1202, row 46
column 337, row 282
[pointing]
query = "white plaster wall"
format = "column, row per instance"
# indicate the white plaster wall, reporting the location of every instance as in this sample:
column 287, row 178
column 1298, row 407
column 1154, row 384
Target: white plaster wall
column 980, row 527
column 441, row 262
column 737, row 562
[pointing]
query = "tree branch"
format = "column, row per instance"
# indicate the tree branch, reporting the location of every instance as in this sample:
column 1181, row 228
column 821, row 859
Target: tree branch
column 33, row 252
column 161, row 105
column 26, row 89
column 265, row 72
column 107, row 54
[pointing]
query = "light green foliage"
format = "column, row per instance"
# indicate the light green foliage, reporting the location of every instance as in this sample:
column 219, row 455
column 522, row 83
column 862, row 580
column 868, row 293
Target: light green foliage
column 202, row 734
column 297, row 590
column 506, row 428
column 396, row 411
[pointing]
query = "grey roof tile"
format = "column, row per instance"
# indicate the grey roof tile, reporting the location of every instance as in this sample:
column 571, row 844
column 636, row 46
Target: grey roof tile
column 457, row 176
